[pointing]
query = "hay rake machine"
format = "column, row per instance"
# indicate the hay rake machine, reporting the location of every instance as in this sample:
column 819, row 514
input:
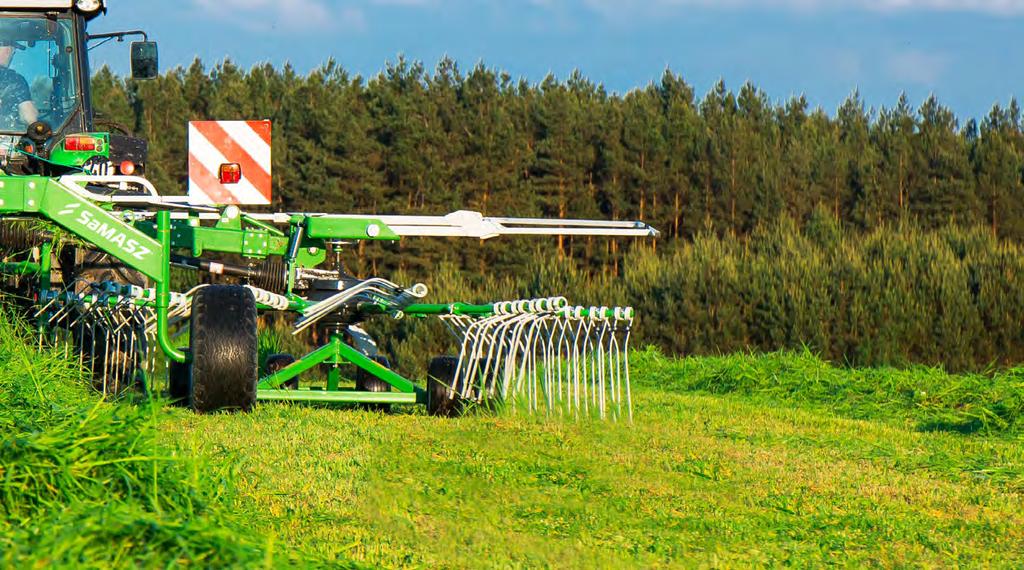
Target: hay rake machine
column 87, row 245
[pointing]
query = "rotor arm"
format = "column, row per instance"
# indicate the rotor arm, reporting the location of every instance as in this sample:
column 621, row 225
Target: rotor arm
column 473, row 224
column 464, row 223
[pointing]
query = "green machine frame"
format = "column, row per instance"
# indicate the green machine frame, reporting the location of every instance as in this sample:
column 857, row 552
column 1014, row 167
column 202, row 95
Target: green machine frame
column 145, row 243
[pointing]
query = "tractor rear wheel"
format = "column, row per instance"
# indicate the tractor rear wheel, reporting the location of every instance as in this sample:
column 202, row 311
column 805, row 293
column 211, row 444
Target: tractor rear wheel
column 366, row 382
column 442, row 393
column 225, row 366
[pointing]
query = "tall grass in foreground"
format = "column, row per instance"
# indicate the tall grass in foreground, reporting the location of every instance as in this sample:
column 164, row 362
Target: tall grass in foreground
column 87, row 483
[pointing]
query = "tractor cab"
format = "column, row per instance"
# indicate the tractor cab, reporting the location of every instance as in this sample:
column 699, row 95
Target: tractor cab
column 47, row 124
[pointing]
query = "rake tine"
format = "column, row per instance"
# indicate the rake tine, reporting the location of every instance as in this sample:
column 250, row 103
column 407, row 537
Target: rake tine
column 542, row 353
column 598, row 359
column 40, row 312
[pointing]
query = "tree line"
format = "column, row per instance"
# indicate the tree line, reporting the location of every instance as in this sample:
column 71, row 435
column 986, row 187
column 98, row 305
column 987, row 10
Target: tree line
column 889, row 296
column 409, row 140
column 872, row 236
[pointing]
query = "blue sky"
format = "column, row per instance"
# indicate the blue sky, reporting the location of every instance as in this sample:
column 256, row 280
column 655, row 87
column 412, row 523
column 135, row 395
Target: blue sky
column 970, row 53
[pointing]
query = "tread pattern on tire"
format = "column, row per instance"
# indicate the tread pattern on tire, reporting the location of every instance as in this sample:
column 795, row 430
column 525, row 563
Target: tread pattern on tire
column 366, row 382
column 225, row 365
column 441, row 398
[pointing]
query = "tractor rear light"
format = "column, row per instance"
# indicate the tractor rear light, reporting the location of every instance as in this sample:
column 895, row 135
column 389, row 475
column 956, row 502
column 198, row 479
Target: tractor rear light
column 127, row 168
column 82, row 143
column 230, row 173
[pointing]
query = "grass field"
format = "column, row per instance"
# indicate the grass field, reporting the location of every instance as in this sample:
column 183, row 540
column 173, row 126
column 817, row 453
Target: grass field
column 749, row 477
column 738, row 460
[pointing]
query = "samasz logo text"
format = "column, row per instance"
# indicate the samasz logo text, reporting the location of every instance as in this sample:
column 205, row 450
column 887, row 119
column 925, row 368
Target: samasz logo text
column 111, row 234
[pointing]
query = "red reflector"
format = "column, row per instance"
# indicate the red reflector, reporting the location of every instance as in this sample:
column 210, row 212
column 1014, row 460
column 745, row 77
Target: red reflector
column 230, row 173
column 127, row 168
column 80, row 143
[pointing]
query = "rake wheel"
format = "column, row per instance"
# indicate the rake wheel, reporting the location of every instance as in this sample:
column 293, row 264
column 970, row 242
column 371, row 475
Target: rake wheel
column 223, row 346
column 442, row 394
column 366, row 382
column 115, row 363
column 114, row 360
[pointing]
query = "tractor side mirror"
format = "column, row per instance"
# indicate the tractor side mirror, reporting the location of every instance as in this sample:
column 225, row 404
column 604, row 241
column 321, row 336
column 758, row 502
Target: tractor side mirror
column 144, row 60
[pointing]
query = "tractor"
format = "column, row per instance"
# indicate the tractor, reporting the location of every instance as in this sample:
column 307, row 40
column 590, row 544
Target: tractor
column 87, row 244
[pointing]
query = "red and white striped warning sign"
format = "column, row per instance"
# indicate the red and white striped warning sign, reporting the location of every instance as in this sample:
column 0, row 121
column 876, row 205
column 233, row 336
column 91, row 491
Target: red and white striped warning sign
column 212, row 144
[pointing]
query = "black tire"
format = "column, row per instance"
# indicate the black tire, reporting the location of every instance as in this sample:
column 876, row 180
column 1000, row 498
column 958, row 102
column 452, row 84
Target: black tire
column 223, row 346
column 278, row 362
column 487, row 379
column 442, row 399
column 366, row 382
column 97, row 266
column 179, row 381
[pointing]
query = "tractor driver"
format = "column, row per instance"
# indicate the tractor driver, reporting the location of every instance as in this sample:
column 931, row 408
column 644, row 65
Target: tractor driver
column 15, row 97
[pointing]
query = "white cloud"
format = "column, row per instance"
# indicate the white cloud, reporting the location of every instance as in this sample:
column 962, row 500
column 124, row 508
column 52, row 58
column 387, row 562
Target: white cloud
column 987, row 6
column 412, row 3
column 616, row 8
column 290, row 15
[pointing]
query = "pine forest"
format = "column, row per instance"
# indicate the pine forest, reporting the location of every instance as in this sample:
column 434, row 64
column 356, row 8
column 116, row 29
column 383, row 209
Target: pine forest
column 870, row 236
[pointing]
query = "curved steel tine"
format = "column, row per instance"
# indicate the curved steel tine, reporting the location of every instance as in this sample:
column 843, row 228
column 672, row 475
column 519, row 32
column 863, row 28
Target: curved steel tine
column 539, row 354
column 614, row 363
column 92, row 342
column 40, row 312
column 625, row 355
column 115, row 362
column 106, row 357
column 598, row 369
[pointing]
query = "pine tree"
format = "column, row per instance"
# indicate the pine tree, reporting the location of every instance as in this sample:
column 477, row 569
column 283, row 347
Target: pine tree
column 643, row 144
column 945, row 192
column 894, row 136
column 998, row 164
column 862, row 194
column 796, row 133
column 684, row 141
column 757, row 194
column 719, row 160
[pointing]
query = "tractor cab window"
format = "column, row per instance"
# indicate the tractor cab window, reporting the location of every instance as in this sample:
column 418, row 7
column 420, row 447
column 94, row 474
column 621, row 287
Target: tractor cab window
column 37, row 79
